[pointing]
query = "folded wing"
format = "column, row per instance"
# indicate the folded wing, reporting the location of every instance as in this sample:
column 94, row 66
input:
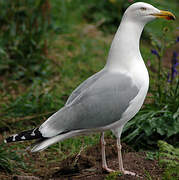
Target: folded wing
column 98, row 102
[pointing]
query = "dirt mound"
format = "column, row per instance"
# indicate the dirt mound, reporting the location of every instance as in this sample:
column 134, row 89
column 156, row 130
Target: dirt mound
column 87, row 164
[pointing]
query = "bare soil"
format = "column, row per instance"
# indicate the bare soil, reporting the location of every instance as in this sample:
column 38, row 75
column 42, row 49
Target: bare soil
column 87, row 164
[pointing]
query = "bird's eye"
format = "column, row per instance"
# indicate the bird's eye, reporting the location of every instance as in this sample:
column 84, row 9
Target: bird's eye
column 143, row 8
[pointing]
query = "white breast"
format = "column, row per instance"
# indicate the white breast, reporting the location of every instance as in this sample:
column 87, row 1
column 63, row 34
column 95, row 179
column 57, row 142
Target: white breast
column 139, row 74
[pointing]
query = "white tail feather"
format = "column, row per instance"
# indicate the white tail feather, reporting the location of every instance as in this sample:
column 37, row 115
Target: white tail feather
column 46, row 143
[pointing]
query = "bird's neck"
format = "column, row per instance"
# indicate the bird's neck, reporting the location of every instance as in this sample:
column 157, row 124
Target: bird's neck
column 124, row 49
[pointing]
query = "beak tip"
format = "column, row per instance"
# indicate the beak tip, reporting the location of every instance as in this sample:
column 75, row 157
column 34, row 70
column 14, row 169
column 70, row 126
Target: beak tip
column 170, row 18
column 168, row 15
column 173, row 18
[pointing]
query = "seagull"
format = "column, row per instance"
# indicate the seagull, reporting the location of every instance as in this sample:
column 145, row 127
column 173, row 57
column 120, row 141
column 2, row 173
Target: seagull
column 108, row 99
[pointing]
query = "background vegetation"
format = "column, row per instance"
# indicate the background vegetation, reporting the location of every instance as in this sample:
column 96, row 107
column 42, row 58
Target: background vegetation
column 47, row 48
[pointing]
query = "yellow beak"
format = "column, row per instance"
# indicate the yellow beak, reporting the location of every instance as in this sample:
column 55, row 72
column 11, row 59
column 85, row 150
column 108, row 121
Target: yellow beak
column 165, row 14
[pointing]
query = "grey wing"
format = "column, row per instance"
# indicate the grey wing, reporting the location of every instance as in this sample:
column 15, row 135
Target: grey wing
column 85, row 85
column 101, row 104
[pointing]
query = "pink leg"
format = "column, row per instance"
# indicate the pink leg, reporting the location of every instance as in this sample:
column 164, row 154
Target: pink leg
column 121, row 168
column 104, row 163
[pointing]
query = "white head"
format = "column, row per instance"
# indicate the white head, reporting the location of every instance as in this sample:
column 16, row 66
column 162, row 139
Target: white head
column 142, row 13
column 125, row 46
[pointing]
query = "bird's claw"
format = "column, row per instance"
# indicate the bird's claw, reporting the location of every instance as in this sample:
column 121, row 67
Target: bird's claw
column 105, row 168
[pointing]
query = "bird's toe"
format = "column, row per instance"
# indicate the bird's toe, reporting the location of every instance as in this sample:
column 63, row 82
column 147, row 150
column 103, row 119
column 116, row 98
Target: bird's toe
column 105, row 168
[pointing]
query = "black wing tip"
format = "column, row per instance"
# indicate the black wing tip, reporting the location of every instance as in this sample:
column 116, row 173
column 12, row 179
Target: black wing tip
column 25, row 135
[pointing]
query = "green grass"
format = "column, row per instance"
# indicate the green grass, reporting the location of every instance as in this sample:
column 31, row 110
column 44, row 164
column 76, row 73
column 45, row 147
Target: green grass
column 169, row 160
column 12, row 159
column 113, row 175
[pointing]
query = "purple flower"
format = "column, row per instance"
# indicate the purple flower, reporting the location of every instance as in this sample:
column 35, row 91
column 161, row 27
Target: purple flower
column 153, row 51
column 177, row 40
column 175, row 63
column 174, row 71
column 174, row 58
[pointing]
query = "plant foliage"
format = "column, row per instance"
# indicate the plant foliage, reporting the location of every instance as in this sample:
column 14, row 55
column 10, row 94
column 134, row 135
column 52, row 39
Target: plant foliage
column 23, row 45
column 169, row 160
column 10, row 160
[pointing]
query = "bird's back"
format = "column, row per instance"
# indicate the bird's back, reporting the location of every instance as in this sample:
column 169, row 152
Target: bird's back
column 99, row 105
